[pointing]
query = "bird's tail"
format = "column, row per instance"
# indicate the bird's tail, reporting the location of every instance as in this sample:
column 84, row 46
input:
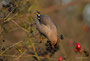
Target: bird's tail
column 38, row 15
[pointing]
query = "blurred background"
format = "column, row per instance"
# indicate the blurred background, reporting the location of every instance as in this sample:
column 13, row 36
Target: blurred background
column 21, row 41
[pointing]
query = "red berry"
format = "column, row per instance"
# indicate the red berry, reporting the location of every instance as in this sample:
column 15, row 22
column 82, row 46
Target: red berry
column 60, row 58
column 76, row 50
column 78, row 46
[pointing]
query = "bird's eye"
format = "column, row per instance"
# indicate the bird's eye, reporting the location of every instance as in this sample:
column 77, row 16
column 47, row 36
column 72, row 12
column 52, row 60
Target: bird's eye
column 38, row 14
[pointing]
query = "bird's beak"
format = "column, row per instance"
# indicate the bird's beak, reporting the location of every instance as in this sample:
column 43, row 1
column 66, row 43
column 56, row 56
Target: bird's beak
column 37, row 12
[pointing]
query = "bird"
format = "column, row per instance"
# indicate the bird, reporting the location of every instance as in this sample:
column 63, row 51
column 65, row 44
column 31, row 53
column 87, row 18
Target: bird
column 47, row 27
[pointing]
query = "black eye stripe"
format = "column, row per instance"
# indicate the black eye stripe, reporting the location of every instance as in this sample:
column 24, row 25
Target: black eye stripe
column 38, row 15
column 38, row 18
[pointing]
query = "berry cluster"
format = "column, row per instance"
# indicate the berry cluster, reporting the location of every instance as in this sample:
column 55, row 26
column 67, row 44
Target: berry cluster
column 10, row 5
column 50, row 48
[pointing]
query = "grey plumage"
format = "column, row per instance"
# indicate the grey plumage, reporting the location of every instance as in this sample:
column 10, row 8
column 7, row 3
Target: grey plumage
column 47, row 27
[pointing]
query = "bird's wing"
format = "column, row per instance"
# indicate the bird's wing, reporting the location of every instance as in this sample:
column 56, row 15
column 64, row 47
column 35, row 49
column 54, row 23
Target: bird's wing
column 44, row 19
column 42, row 28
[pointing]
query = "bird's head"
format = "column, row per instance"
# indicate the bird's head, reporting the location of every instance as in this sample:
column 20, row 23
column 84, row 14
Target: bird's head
column 37, row 13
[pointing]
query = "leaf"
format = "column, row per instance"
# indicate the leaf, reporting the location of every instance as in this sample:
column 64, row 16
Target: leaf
column 18, row 49
column 25, row 25
column 30, row 8
column 8, row 19
column 30, row 19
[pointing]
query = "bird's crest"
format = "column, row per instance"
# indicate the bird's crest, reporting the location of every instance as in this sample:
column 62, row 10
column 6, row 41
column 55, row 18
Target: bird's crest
column 38, row 15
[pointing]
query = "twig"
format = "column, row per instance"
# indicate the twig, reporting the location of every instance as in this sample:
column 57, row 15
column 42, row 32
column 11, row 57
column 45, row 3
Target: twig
column 10, row 47
column 34, row 49
column 29, row 56
column 20, row 56
column 20, row 26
